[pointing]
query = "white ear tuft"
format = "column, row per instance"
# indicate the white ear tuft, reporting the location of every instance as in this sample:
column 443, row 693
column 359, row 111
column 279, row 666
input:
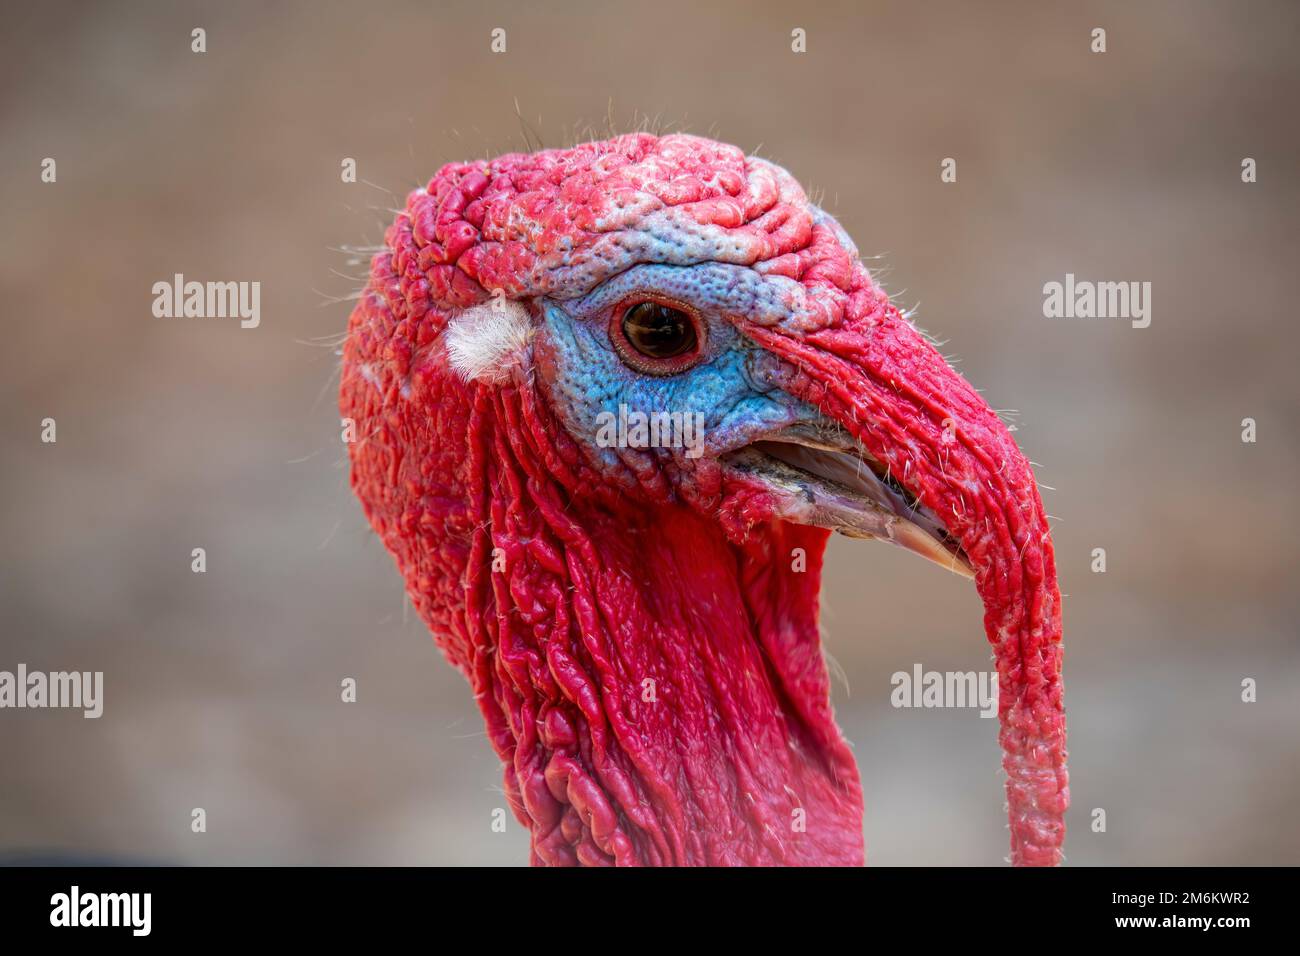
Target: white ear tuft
column 484, row 341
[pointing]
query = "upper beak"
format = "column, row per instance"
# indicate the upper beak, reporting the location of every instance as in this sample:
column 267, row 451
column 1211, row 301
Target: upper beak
column 823, row 476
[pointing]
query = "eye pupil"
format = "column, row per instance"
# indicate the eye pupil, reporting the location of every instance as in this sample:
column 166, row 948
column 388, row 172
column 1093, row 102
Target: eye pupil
column 658, row 331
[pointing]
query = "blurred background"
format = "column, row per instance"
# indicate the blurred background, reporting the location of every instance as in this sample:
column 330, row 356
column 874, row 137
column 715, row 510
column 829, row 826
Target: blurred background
column 222, row 689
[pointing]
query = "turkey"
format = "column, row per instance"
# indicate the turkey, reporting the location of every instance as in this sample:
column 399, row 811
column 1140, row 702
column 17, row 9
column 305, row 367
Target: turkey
column 637, row 615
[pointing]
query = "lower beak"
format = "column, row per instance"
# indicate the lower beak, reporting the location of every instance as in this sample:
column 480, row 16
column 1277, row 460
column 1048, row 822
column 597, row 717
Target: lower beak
column 937, row 472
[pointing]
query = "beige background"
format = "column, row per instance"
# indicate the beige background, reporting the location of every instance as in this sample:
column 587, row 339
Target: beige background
column 223, row 689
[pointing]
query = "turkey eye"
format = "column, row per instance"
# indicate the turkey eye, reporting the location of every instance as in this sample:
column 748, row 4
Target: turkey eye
column 658, row 331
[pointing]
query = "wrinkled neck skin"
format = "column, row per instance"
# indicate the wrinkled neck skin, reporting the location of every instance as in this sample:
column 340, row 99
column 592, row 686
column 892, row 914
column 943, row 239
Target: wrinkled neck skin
column 657, row 693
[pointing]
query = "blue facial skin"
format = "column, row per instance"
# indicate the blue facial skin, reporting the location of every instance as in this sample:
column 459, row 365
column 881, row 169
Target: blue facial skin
column 731, row 385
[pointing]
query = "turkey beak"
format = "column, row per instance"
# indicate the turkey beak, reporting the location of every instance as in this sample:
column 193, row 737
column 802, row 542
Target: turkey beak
column 825, row 477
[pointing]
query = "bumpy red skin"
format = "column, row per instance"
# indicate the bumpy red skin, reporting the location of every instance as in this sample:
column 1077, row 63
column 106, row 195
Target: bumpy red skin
column 605, row 582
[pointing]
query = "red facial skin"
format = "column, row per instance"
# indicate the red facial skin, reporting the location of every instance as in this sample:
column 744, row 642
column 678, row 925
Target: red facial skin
column 644, row 652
